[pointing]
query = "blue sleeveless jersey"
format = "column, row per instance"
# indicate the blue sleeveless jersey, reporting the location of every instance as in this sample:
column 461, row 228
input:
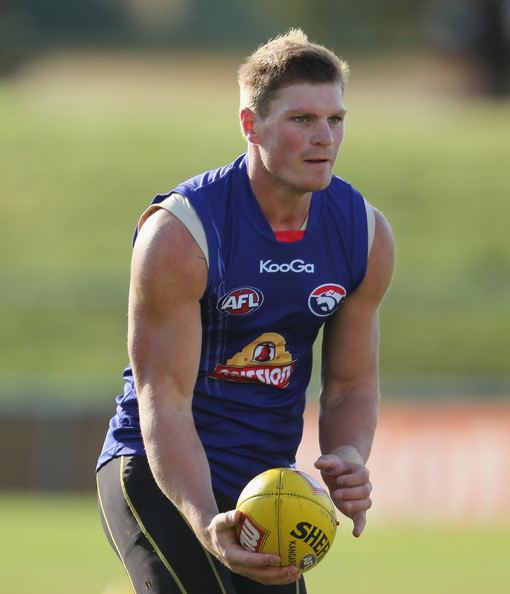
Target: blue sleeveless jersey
column 263, row 307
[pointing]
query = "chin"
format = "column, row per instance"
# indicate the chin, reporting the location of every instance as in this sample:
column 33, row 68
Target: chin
column 305, row 188
column 319, row 185
column 305, row 184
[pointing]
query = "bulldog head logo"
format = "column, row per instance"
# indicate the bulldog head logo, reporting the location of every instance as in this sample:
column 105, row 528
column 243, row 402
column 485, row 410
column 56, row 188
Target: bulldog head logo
column 326, row 299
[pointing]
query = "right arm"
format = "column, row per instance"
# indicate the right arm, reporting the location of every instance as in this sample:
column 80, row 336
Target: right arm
column 168, row 278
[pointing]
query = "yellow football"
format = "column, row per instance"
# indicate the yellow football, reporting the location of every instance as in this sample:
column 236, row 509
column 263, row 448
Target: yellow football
column 288, row 513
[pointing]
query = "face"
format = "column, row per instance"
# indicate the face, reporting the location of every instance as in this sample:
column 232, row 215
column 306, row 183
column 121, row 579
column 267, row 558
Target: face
column 299, row 139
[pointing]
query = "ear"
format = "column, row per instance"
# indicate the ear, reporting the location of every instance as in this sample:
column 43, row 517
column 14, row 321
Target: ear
column 249, row 124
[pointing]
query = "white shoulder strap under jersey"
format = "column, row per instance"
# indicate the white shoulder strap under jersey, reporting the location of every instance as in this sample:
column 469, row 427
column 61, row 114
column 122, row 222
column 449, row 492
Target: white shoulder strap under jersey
column 182, row 209
column 370, row 224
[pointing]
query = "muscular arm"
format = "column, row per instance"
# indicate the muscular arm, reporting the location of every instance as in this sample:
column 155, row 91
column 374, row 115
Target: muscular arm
column 164, row 340
column 168, row 278
column 350, row 388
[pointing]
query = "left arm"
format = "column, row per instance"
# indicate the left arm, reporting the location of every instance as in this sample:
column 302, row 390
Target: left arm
column 350, row 385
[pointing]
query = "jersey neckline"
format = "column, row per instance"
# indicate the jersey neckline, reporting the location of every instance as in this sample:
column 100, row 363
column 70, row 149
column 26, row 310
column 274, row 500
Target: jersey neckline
column 253, row 212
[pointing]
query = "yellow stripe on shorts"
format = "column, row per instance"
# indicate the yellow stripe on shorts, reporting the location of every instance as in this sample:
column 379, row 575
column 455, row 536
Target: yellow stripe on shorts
column 110, row 532
column 164, row 560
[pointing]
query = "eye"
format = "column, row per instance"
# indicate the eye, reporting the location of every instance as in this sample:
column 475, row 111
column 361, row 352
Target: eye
column 336, row 119
column 302, row 119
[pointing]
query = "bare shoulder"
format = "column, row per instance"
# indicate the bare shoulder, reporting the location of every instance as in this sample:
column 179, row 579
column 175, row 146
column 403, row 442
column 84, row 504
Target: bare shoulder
column 381, row 261
column 167, row 259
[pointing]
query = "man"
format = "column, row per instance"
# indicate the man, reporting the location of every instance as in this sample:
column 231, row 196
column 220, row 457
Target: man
column 233, row 274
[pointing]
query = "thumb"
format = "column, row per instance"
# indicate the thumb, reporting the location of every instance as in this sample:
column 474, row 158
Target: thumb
column 328, row 462
column 325, row 460
column 233, row 517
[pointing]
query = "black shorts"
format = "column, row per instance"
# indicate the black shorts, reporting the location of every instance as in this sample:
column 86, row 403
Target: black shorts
column 157, row 547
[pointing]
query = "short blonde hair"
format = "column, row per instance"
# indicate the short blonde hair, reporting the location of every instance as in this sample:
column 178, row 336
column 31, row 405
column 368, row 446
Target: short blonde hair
column 286, row 59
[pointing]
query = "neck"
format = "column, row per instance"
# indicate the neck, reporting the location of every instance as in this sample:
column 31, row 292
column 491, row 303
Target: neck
column 284, row 207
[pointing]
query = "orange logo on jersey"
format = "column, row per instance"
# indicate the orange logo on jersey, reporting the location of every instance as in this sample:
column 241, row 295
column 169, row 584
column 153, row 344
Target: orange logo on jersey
column 264, row 361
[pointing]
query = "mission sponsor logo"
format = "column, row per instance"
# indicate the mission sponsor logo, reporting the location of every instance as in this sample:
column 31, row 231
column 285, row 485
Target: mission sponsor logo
column 241, row 301
column 324, row 300
column 265, row 360
column 296, row 266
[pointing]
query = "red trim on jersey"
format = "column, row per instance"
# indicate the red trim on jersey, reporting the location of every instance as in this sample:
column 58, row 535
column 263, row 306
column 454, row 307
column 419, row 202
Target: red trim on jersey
column 289, row 236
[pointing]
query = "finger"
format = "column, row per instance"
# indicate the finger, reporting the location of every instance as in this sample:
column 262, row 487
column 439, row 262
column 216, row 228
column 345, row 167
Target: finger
column 359, row 521
column 237, row 555
column 329, row 463
column 354, row 477
column 275, row 576
column 351, row 508
column 353, row 493
column 268, row 575
column 287, row 576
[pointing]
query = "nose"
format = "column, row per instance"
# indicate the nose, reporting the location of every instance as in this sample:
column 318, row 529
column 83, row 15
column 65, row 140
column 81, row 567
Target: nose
column 323, row 135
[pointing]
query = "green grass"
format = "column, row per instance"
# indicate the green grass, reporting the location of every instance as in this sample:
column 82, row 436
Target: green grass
column 55, row 545
column 418, row 560
column 79, row 164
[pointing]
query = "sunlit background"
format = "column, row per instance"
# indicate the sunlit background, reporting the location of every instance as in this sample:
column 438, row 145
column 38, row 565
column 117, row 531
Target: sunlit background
column 104, row 104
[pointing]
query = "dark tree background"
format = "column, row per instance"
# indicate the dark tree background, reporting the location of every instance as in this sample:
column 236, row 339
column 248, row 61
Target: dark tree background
column 478, row 31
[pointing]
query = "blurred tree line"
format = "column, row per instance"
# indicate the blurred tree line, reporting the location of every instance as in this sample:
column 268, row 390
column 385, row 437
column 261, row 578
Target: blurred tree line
column 478, row 31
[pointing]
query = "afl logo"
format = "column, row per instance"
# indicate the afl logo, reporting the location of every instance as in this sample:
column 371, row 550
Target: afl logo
column 241, row 301
column 326, row 299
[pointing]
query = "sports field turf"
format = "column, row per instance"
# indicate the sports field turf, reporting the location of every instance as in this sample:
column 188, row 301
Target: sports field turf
column 54, row 545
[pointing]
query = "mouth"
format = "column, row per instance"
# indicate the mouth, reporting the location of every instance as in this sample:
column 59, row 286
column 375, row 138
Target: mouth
column 317, row 161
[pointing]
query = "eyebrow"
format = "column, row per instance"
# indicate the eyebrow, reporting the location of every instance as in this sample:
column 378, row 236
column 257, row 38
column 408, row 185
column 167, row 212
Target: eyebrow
column 308, row 111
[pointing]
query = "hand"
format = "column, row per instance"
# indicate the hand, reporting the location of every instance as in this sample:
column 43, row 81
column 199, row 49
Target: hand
column 349, row 486
column 261, row 567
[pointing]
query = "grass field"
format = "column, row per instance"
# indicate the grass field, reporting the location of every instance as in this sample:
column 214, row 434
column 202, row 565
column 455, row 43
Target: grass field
column 54, row 545
column 85, row 146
